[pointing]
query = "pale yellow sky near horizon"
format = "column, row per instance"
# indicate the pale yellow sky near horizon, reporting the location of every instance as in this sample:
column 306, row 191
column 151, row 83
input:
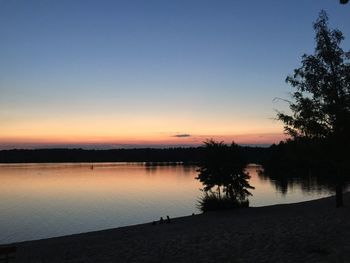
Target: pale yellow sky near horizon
column 137, row 131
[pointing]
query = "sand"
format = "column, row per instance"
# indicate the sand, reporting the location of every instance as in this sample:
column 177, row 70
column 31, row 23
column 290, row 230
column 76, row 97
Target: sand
column 313, row 231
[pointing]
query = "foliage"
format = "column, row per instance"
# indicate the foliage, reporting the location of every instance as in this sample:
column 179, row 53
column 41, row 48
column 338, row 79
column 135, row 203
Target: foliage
column 223, row 169
column 211, row 202
column 190, row 155
column 321, row 103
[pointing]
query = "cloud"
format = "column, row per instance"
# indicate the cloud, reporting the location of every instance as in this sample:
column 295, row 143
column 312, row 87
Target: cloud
column 183, row 135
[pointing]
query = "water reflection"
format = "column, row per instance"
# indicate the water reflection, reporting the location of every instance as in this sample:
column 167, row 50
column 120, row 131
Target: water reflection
column 45, row 200
column 308, row 181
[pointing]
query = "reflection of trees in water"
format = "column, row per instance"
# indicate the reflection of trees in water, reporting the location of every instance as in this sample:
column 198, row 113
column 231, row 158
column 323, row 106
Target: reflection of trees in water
column 186, row 168
column 150, row 168
column 308, row 181
column 189, row 168
column 153, row 166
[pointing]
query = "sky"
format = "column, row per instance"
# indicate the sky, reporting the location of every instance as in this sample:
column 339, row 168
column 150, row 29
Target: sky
column 105, row 74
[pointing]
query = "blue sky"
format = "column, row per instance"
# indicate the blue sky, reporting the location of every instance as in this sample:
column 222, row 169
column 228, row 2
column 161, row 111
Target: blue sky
column 139, row 72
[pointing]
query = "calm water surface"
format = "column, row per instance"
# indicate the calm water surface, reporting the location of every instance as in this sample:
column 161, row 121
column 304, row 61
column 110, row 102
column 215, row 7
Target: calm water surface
column 46, row 200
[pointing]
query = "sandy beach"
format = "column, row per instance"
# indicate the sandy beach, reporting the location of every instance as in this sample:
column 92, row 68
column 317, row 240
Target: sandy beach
column 313, row 231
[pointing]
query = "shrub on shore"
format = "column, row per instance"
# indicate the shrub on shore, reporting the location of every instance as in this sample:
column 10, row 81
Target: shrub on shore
column 222, row 173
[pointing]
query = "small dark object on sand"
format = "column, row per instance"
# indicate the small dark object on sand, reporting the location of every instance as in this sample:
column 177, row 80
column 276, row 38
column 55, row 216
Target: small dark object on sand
column 161, row 221
column 192, row 214
column 167, row 219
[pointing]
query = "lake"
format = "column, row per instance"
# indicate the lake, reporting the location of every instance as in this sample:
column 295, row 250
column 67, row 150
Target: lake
column 47, row 200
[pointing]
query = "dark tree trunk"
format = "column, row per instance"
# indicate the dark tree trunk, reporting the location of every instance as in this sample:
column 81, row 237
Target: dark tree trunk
column 339, row 195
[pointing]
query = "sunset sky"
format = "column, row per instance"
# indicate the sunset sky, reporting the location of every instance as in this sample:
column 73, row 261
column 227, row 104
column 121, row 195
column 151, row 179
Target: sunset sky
column 103, row 74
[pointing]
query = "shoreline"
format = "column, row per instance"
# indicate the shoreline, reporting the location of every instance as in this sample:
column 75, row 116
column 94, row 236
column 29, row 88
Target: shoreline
column 307, row 231
column 150, row 222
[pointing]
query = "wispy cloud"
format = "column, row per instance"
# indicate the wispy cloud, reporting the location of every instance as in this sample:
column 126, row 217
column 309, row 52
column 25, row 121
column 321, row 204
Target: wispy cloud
column 183, row 135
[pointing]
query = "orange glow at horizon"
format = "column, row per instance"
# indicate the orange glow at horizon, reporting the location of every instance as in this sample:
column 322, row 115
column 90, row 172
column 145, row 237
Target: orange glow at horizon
column 168, row 140
column 136, row 130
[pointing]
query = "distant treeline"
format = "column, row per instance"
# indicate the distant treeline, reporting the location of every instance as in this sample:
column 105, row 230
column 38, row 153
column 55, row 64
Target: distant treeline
column 151, row 155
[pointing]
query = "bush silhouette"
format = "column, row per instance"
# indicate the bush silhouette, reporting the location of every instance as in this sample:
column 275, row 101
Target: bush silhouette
column 222, row 172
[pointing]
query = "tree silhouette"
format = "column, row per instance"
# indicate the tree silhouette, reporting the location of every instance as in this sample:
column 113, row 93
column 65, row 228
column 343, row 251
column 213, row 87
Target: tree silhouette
column 321, row 103
column 223, row 168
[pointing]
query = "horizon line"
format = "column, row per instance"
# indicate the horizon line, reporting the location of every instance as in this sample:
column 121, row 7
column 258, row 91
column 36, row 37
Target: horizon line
column 119, row 146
